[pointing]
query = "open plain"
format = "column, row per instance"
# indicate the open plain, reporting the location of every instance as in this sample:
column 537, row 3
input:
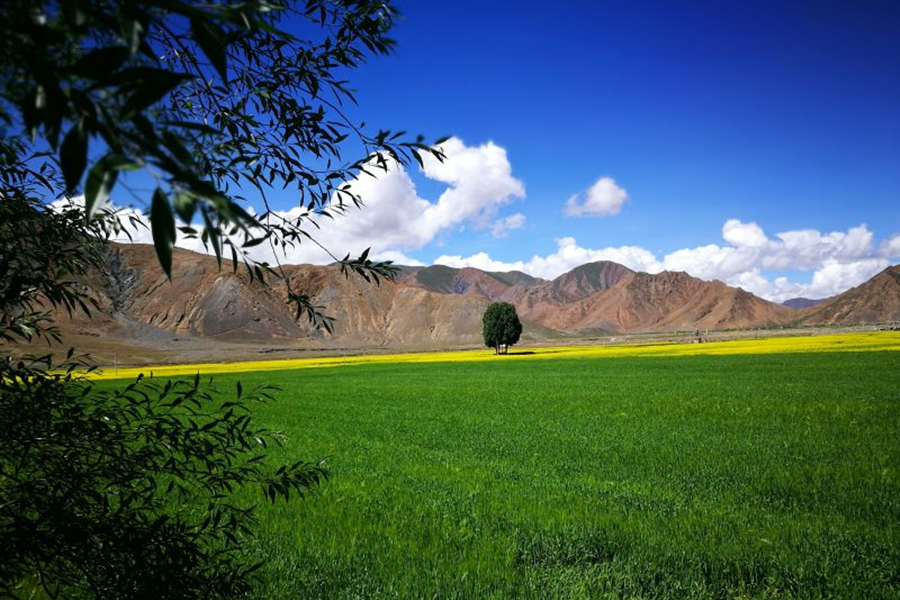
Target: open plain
column 751, row 469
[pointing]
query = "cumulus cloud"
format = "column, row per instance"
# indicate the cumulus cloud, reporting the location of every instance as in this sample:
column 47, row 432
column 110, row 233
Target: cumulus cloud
column 568, row 255
column 502, row 227
column 743, row 234
column 835, row 277
column 837, row 260
column 605, row 198
column 890, row 248
column 394, row 219
column 481, row 261
column 808, row 249
column 399, row 258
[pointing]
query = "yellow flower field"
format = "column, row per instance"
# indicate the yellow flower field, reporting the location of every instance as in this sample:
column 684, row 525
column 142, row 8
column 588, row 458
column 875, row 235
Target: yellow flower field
column 845, row 342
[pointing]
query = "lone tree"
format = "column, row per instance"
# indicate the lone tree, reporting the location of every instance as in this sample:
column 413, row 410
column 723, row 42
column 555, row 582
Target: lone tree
column 502, row 327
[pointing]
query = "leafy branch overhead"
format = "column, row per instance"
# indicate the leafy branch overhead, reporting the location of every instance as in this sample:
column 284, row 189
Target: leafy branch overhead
column 135, row 493
column 42, row 253
column 218, row 102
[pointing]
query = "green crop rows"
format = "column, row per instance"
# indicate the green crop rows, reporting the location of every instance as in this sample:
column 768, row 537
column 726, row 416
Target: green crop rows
column 700, row 477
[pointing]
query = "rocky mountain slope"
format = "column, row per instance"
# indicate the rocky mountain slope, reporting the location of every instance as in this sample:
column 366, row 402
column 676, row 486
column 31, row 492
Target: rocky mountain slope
column 437, row 305
column 606, row 296
column 204, row 301
column 626, row 301
column 876, row 300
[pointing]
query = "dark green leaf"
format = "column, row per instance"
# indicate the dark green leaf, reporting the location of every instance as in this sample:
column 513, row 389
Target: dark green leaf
column 151, row 90
column 100, row 62
column 162, row 222
column 254, row 242
column 100, row 181
column 211, row 40
column 73, row 156
column 131, row 29
column 185, row 205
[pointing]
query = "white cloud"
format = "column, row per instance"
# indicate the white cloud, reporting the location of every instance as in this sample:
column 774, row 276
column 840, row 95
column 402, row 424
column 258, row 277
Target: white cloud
column 502, row 227
column 712, row 261
column 398, row 258
column 480, row 261
column 890, row 248
column 394, row 219
column 480, row 181
column 567, row 256
column 605, row 197
column 835, row 277
column 808, row 249
column 837, row 260
column 743, row 234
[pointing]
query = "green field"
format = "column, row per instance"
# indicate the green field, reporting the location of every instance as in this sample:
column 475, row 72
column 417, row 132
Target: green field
column 754, row 476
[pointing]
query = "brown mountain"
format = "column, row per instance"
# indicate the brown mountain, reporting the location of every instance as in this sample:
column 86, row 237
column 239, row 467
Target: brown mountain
column 625, row 301
column 428, row 307
column 468, row 281
column 876, row 300
column 544, row 303
column 206, row 302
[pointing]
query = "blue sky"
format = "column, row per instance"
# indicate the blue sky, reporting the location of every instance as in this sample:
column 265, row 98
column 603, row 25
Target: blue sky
column 720, row 125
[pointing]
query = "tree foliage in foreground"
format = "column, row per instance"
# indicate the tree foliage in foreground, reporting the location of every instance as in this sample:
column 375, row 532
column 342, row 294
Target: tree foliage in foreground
column 501, row 327
column 216, row 102
column 115, row 493
column 130, row 493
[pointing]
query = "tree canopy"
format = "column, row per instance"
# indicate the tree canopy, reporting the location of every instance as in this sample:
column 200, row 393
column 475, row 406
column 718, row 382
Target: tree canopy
column 129, row 492
column 114, row 493
column 216, row 102
column 501, row 327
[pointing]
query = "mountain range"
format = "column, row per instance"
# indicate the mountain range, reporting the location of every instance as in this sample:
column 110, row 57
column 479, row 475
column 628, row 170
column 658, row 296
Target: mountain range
column 804, row 302
column 436, row 305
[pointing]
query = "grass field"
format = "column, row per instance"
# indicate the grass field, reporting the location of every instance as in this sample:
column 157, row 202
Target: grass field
column 724, row 475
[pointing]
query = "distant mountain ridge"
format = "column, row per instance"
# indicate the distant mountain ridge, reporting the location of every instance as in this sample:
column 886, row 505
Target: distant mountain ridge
column 443, row 305
column 803, row 302
column 441, row 279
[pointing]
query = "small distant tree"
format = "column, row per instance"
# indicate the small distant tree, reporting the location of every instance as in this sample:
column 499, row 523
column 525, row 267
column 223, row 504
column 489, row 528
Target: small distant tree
column 501, row 326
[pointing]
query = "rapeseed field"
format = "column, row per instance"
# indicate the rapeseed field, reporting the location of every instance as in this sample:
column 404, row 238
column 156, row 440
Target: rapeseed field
column 846, row 342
